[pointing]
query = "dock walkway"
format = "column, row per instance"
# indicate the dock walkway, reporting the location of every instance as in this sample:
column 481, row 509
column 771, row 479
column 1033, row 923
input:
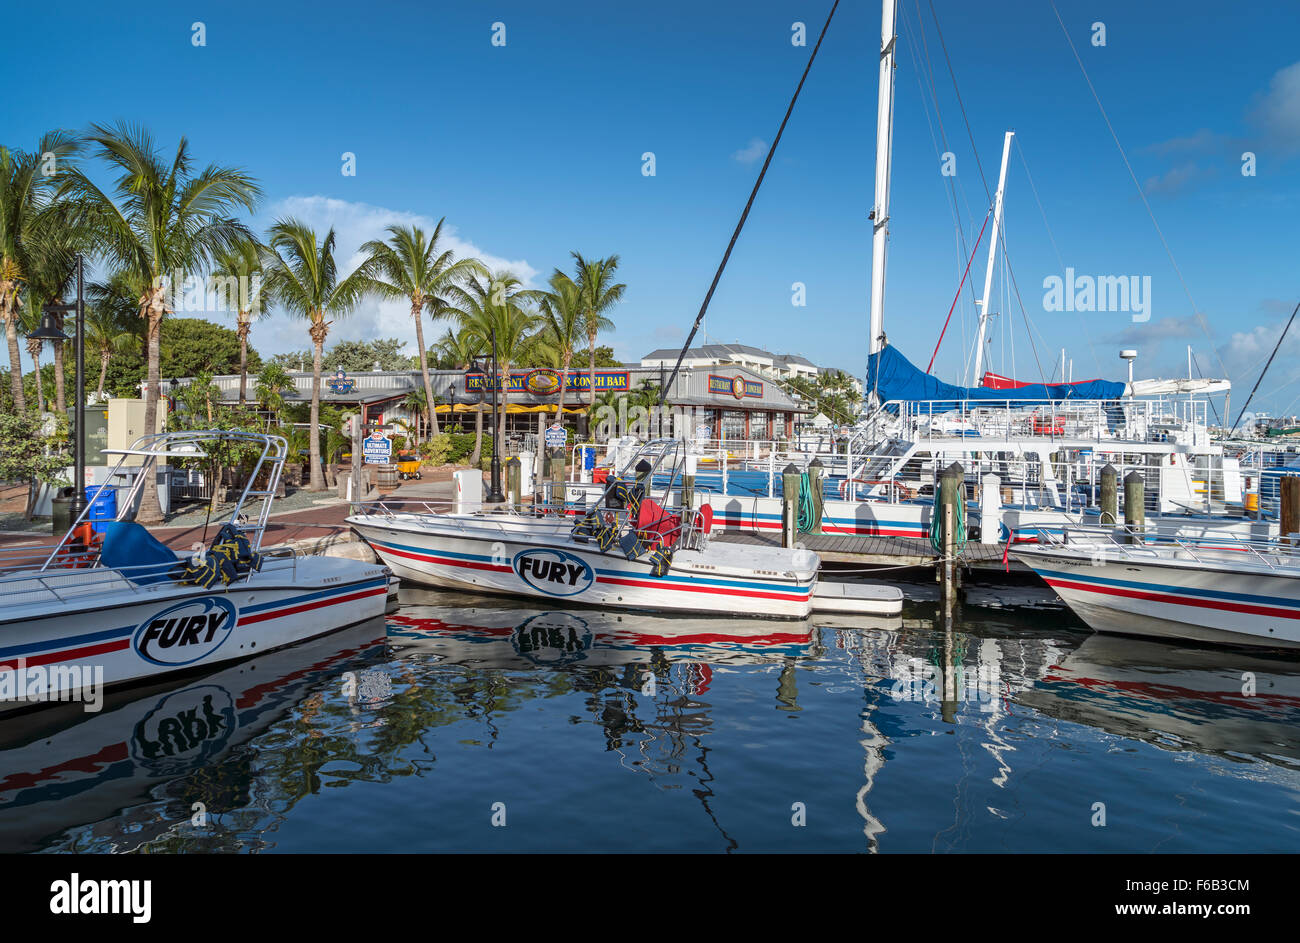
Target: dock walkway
column 881, row 551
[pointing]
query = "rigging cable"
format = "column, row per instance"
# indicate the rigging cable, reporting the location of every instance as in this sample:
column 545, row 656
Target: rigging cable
column 1141, row 193
column 1266, row 366
column 959, row 288
column 1087, row 335
column 717, row 276
column 1002, row 239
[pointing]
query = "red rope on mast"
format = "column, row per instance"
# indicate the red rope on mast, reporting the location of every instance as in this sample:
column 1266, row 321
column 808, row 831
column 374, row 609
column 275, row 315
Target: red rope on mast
column 959, row 288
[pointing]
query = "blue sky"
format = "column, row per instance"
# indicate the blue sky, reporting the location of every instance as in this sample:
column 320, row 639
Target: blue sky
column 534, row 148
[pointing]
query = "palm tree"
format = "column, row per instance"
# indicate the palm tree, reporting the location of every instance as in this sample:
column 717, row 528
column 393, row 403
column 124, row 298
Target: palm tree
column 273, row 381
column 462, row 348
column 29, row 319
column 563, row 324
column 25, row 189
column 411, row 266
column 418, row 406
column 237, row 276
column 110, row 318
column 302, row 276
column 595, row 281
column 165, row 223
column 54, row 239
column 493, row 310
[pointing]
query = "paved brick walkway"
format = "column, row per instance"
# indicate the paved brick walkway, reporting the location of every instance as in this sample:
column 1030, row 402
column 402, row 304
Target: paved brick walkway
column 312, row 523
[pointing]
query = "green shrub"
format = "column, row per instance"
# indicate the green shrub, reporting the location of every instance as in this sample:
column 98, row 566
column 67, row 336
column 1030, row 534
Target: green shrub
column 436, row 451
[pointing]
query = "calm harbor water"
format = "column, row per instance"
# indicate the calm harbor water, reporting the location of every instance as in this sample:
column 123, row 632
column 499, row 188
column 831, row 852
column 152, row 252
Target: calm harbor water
column 585, row 730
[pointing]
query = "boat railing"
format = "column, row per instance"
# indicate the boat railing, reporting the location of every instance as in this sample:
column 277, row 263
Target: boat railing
column 78, row 574
column 1124, row 542
column 1125, row 420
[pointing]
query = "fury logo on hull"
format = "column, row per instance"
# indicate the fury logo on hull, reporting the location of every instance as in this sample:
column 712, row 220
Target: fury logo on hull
column 187, row 632
column 554, row 572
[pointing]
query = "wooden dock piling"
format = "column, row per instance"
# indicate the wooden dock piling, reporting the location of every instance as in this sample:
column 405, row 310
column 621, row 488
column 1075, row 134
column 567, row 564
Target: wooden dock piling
column 816, row 475
column 1109, row 495
column 790, row 506
column 952, row 488
column 1289, row 509
column 1134, row 507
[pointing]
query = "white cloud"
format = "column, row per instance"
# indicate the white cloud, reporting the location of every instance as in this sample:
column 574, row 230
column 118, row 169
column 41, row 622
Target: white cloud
column 354, row 224
column 751, row 152
column 1175, row 180
column 1278, row 111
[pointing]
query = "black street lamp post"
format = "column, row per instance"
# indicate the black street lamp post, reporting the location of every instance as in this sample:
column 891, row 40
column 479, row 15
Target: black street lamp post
column 49, row 332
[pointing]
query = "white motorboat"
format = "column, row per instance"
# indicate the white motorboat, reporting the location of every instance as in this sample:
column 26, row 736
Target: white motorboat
column 1236, row 592
column 626, row 552
column 116, row 605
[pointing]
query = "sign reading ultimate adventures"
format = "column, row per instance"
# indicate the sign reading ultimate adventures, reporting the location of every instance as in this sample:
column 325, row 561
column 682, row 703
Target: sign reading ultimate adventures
column 737, row 386
column 542, row 381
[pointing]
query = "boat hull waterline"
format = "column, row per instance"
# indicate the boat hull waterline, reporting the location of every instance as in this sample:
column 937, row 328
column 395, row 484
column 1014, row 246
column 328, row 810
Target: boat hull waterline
column 1161, row 600
column 147, row 632
column 549, row 566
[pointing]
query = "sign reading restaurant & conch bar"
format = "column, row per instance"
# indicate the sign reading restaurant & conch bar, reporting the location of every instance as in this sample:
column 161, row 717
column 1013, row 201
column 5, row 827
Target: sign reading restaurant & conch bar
column 521, row 383
column 736, row 386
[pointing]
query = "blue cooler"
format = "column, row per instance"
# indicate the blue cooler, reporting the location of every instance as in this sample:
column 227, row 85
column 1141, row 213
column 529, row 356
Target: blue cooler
column 103, row 506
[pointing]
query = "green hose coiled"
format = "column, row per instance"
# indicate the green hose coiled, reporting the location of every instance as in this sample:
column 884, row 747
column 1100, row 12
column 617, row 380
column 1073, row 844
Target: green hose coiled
column 958, row 523
column 807, row 514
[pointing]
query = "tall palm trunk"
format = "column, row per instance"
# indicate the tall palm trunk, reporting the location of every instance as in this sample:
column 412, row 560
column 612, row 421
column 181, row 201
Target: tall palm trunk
column 591, row 393
column 34, row 349
column 477, row 454
column 564, row 381
column 318, row 331
column 60, row 394
column 591, row 362
column 9, row 300
column 417, row 306
column 104, row 357
column 243, row 356
column 151, row 511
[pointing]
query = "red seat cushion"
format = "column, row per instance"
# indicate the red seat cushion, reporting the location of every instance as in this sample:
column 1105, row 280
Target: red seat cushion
column 656, row 524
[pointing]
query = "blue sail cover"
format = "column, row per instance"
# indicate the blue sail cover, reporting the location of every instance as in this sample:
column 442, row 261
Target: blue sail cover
column 892, row 376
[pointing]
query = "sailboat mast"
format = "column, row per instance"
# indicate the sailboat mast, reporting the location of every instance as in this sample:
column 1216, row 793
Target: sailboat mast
column 884, row 150
column 978, row 361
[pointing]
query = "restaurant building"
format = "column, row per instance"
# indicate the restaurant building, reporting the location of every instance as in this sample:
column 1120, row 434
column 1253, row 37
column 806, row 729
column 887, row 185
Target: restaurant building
column 732, row 401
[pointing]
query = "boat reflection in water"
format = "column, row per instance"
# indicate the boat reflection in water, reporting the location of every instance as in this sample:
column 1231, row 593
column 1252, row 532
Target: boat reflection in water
column 1239, row 705
column 625, row 731
column 510, row 635
column 106, row 781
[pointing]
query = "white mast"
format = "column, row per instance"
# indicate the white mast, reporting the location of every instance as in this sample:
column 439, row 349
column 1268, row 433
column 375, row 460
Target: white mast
column 884, row 149
column 993, row 253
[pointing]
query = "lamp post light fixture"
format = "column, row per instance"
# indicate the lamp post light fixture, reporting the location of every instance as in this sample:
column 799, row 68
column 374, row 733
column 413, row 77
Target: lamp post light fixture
column 50, row 332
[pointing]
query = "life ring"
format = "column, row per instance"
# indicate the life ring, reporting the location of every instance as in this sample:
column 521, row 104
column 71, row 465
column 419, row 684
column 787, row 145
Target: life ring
column 82, row 550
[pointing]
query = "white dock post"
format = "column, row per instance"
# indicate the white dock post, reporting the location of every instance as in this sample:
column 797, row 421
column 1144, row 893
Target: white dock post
column 990, row 509
column 468, row 491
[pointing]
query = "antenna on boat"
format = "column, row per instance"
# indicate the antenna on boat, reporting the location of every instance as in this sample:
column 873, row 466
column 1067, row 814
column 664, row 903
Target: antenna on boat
column 884, row 151
column 993, row 253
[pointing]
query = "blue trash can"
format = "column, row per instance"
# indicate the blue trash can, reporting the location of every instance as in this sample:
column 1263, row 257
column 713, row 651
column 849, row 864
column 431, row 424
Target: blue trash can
column 103, row 506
